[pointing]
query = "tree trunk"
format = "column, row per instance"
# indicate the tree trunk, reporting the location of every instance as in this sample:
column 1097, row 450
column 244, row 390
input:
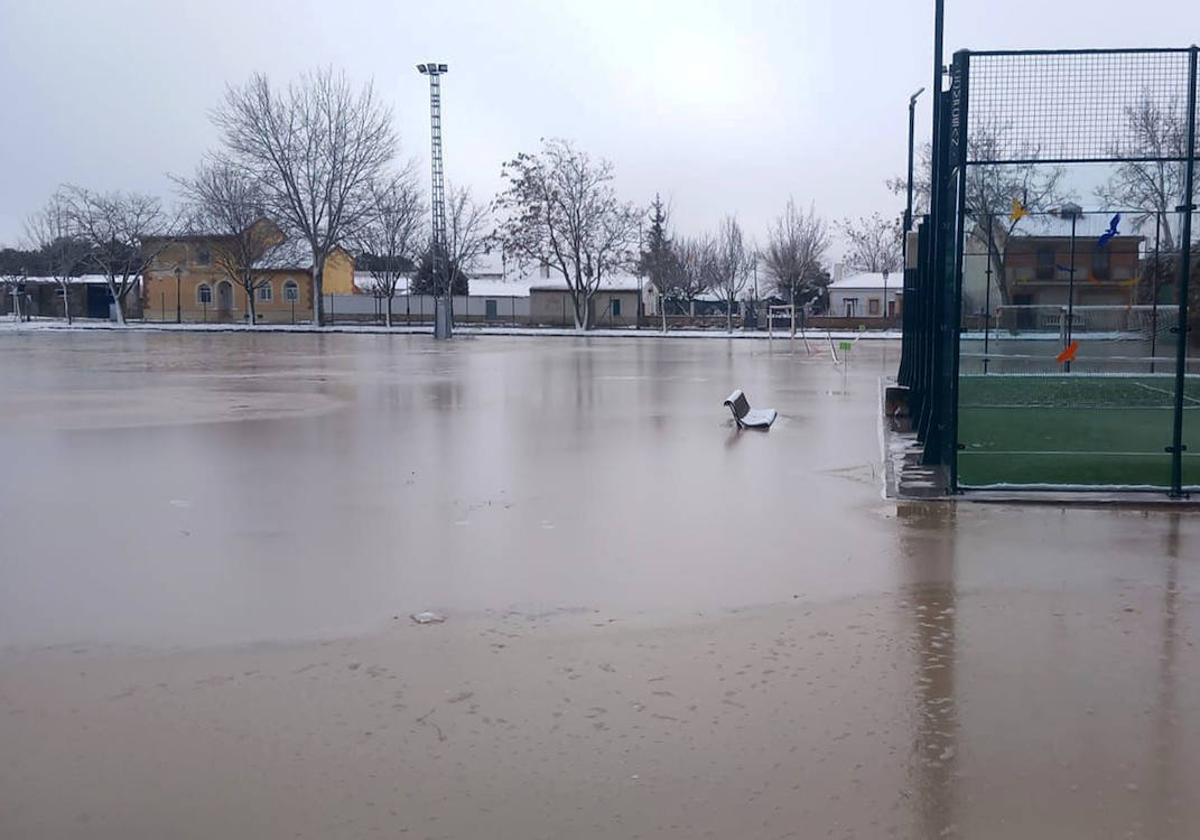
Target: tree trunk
column 662, row 310
column 318, row 277
column 116, row 302
column 582, row 311
column 729, row 316
column 67, row 303
column 388, row 319
column 250, row 307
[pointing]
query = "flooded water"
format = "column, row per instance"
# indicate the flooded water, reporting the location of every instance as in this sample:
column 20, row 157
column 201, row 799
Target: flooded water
column 657, row 626
column 304, row 485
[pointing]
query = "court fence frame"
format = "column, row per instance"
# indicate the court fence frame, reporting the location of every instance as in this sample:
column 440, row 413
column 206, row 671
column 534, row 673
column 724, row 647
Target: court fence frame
column 1043, row 108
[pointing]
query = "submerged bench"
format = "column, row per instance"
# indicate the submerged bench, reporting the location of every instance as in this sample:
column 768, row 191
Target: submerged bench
column 747, row 417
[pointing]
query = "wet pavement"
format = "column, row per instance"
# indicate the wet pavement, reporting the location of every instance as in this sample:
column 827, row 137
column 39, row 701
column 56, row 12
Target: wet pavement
column 657, row 626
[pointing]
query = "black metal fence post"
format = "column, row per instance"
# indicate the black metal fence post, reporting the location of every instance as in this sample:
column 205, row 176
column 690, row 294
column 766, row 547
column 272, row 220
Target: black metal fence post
column 958, row 153
column 1185, row 270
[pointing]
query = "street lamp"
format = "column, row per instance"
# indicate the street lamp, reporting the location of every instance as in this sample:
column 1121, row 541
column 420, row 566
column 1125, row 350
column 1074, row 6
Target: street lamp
column 885, row 306
column 1073, row 212
column 178, row 299
column 912, row 108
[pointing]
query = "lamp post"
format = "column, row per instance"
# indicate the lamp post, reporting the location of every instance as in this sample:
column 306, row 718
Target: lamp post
column 912, row 110
column 987, row 297
column 434, row 70
column 1154, row 292
column 1073, row 212
column 178, row 299
column 885, row 306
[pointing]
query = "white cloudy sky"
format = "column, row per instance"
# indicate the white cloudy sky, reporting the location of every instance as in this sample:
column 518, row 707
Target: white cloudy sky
column 721, row 106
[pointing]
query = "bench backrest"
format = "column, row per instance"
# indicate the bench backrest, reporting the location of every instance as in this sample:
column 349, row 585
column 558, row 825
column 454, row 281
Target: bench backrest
column 738, row 404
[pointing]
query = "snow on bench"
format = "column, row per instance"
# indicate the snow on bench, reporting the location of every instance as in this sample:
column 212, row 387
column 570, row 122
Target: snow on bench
column 747, row 417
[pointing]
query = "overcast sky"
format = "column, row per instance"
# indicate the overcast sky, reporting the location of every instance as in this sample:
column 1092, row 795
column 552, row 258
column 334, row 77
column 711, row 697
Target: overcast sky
column 722, row 107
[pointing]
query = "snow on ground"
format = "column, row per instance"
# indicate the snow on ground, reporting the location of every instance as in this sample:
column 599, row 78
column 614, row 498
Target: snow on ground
column 461, row 329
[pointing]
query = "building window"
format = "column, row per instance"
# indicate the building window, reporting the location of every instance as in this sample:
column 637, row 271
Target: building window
column 265, row 293
column 204, row 293
column 1101, row 265
column 291, row 291
column 1045, row 263
column 614, row 305
column 545, row 269
column 203, row 255
column 873, row 306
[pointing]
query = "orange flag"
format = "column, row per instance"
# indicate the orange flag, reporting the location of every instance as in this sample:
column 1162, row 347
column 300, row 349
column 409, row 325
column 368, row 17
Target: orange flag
column 1069, row 352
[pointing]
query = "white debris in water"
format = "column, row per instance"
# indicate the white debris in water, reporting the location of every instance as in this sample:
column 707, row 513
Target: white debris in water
column 179, row 503
column 428, row 618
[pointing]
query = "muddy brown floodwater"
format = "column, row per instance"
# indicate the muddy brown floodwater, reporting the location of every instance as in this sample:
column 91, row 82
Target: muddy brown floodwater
column 657, row 626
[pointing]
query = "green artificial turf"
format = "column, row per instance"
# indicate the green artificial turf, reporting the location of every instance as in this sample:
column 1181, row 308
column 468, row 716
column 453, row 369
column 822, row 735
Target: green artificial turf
column 1074, row 430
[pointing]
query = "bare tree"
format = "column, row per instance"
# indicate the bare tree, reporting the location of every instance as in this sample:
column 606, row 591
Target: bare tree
column 391, row 233
column 230, row 207
column 732, row 263
column 52, row 231
column 466, row 234
column 1151, row 187
column 796, row 245
column 694, row 268
column 314, row 149
column 560, row 210
column 922, row 176
column 125, row 233
column 873, row 243
column 10, row 281
column 992, row 189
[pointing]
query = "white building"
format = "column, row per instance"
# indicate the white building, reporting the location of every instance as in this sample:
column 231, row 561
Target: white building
column 863, row 295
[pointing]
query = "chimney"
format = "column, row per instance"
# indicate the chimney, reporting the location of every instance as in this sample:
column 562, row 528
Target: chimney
column 839, row 271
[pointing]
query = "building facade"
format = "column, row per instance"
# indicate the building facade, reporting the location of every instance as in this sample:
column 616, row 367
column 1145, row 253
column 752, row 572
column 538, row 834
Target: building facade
column 867, row 295
column 185, row 281
column 610, row 307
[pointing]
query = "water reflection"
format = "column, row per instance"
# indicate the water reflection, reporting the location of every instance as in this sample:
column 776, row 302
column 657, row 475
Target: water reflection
column 1165, row 717
column 929, row 601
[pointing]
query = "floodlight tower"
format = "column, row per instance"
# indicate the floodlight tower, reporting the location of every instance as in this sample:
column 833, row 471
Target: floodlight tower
column 442, row 317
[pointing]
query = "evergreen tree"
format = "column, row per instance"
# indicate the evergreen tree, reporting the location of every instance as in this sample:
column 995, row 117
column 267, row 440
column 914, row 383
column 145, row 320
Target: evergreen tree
column 657, row 260
column 425, row 283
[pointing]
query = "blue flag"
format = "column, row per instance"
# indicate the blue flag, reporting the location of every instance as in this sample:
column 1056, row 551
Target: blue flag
column 1111, row 232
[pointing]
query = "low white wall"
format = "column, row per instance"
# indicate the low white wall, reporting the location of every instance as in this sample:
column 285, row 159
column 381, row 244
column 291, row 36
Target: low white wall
column 508, row 308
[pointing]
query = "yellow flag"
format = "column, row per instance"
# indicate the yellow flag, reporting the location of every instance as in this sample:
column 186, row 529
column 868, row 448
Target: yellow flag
column 1018, row 212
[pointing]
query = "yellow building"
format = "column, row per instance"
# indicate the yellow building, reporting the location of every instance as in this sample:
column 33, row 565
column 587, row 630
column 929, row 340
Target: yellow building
column 187, row 281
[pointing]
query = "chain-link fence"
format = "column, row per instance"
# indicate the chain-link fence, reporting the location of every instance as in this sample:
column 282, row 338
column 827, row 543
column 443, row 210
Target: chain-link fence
column 1054, row 292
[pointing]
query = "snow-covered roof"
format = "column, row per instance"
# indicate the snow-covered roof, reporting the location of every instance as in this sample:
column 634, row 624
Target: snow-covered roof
column 617, row 283
column 87, row 279
column 870, row 280
column 364, row 281
column 513, row 282
column 495, row 286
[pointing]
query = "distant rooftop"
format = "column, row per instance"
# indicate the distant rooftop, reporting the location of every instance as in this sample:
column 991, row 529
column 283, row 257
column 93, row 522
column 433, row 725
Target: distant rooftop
column 870, row 280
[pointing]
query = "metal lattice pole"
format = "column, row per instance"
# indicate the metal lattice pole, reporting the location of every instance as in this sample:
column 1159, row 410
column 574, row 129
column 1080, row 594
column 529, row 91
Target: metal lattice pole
column 441, row 270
